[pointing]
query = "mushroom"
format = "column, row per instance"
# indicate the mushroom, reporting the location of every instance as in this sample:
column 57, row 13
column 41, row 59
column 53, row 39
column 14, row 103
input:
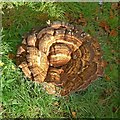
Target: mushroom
column 61, row 56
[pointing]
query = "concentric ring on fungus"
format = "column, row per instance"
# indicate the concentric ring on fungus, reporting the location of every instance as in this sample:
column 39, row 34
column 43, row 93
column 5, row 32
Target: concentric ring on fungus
column 62, row 56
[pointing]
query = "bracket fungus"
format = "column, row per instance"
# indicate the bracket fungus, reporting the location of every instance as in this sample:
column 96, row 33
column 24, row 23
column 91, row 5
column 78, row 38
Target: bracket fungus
column 62, row 57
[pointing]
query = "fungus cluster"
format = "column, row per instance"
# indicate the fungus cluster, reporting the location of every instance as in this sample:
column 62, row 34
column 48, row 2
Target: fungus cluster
column 61, row 55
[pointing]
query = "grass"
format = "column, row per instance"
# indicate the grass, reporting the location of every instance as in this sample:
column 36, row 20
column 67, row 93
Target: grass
column 23, row 98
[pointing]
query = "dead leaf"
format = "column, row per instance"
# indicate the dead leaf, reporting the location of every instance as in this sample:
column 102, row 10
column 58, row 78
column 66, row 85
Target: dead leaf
column 11, row 56
column 109, row 91
column 117, row 61
column 82, row 20
column 113, row 51
column 114, row 6
column 73, row 114
column 113, row 33
column 56, row 103
column 42, row 17
column 107, row 77
column 111, row 14
column 111, row 67
column 105, row 26
column 104, row 63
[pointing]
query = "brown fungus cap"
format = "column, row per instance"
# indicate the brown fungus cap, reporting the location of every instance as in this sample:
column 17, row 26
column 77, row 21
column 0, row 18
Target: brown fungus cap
column 63, row 56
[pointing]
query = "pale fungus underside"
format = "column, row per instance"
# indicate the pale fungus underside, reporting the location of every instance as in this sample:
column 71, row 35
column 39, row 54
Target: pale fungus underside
column 61, row 57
